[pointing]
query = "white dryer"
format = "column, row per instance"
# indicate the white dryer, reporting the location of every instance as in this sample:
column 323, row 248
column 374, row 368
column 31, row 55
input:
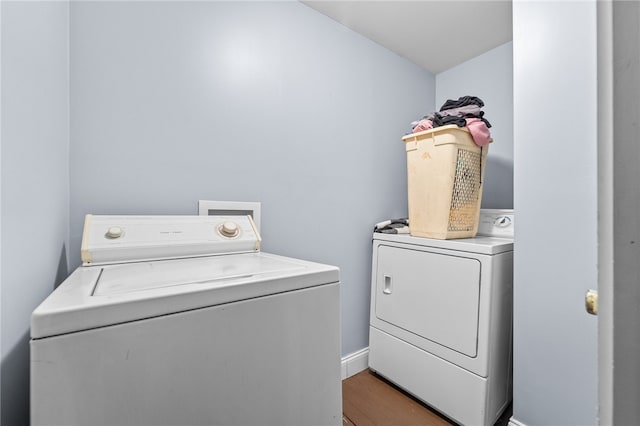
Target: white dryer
column 441, row 318
column 181, row 320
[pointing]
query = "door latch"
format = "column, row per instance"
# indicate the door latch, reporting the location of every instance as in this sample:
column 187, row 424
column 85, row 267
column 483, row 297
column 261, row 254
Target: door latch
column 591, row 302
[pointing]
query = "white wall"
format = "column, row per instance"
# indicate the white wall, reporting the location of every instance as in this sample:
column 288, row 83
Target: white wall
column 172, row 102
column 35, row 188
column 489, row 77
column 555, row 188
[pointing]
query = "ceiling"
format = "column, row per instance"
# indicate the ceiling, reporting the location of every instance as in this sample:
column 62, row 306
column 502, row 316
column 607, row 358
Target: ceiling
column 435, row 35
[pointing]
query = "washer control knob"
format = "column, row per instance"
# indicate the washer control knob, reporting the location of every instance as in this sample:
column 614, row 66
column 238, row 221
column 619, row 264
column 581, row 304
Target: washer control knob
column 229, row 229
column 114, row 232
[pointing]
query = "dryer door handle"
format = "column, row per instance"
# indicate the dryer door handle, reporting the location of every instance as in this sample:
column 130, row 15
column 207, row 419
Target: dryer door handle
column 387, row 285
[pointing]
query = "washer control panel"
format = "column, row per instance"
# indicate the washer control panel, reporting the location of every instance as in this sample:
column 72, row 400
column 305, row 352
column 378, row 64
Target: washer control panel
column 116, row 239
column 496, row 223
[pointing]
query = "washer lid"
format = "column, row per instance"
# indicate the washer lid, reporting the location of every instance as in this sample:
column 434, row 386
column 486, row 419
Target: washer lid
column 134, row 277
column 98, row 296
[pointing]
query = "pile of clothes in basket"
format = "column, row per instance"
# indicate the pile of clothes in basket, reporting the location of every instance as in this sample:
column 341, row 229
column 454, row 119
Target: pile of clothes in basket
column 466, row 111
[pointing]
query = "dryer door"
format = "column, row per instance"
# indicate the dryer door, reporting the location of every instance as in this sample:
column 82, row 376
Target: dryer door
column 434, row 296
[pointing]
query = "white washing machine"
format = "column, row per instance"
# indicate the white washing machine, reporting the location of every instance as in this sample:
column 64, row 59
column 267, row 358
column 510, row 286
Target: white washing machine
column 181, row 320
column 441, row 318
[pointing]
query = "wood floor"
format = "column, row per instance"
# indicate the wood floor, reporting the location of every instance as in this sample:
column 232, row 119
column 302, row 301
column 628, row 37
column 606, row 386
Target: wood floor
column 368, row 400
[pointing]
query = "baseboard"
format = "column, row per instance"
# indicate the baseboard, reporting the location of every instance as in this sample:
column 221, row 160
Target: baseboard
column 355, row 363
column 514, row 422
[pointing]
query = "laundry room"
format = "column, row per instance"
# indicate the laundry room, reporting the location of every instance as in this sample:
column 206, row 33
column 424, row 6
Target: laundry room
column 145, row 108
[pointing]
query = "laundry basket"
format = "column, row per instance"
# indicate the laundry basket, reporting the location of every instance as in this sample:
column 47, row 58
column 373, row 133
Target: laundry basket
column 445, row 170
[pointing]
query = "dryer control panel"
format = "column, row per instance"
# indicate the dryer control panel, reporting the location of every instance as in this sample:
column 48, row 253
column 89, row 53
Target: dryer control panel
column 118, row 239
column 496, row 223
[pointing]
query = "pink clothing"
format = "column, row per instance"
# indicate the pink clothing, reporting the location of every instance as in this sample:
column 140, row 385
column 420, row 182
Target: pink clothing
column 423, row 124
column 461, row 111
column 479, row 131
